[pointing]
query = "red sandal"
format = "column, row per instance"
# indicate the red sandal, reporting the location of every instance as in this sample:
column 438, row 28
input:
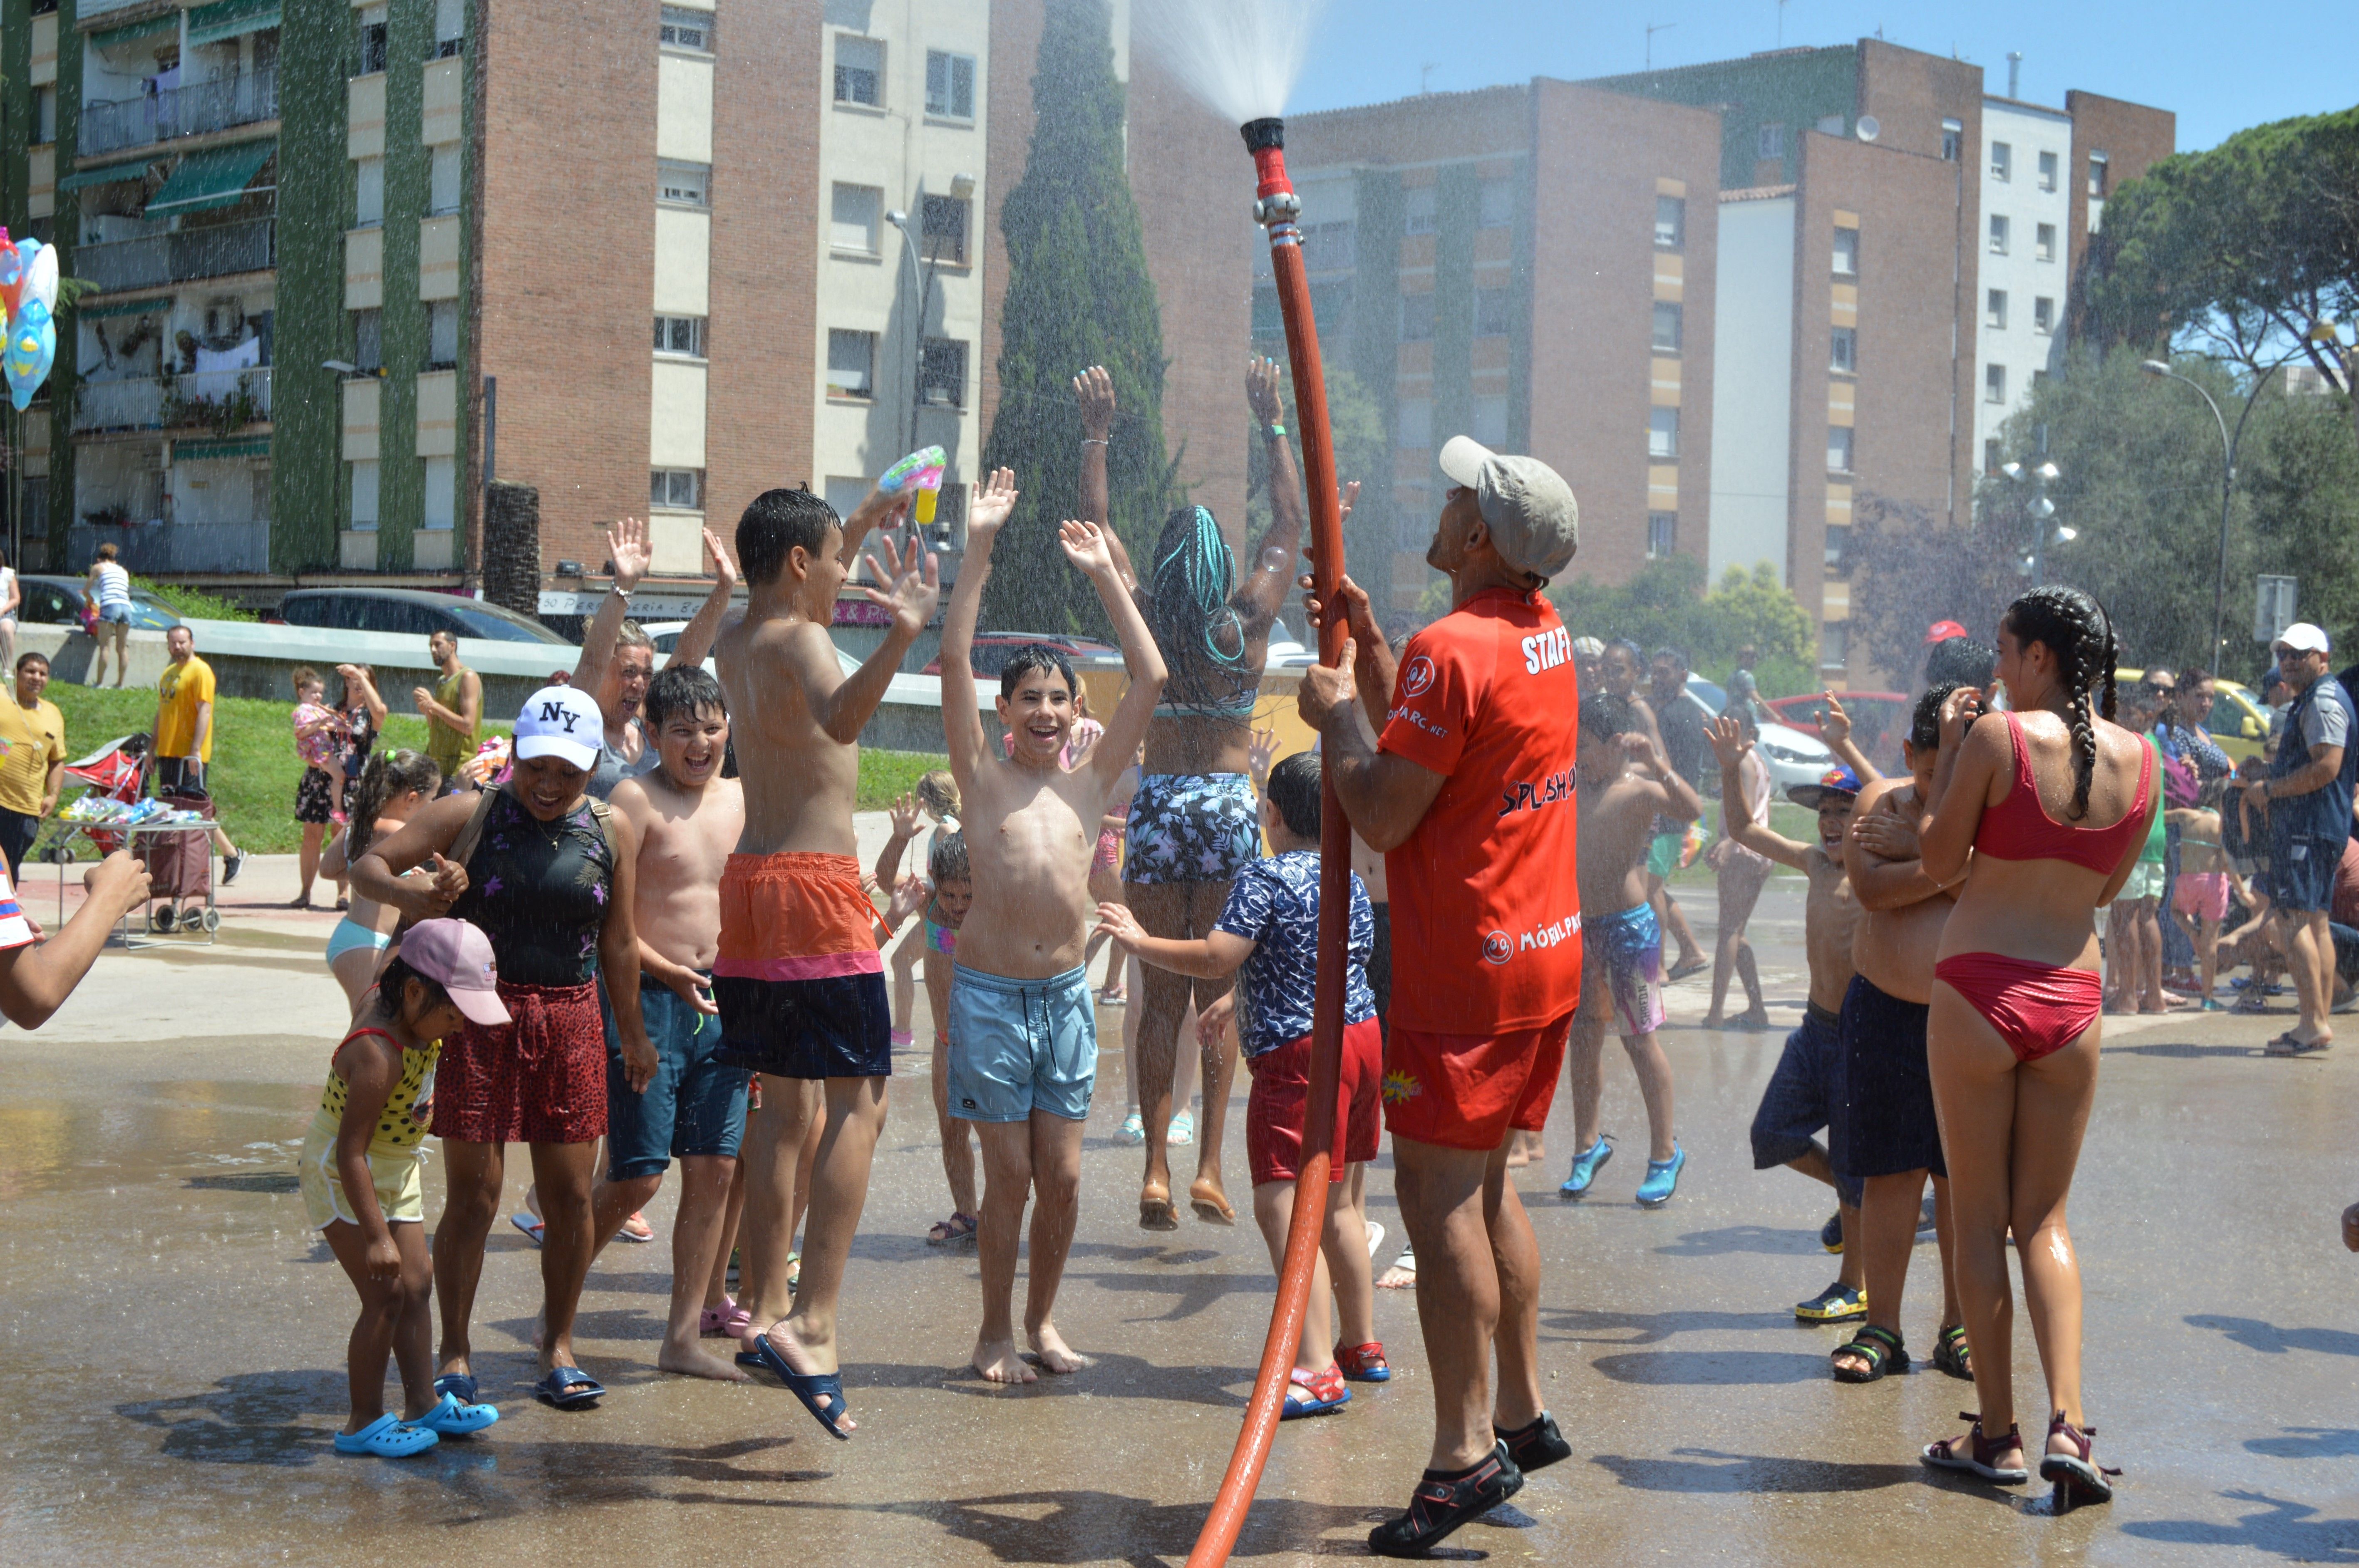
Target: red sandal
column 1979, row 1453
column 1364, row 1363
column 2077, row 1477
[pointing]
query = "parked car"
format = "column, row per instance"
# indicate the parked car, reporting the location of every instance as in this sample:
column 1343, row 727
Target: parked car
column 58, row 601
column 1879, row 721
column 2239, row 722
column 1792, row 757
column 412, row 612
column 992, row 648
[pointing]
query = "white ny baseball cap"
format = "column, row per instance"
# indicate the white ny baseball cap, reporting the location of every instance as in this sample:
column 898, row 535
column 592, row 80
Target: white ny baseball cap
column 560, row 721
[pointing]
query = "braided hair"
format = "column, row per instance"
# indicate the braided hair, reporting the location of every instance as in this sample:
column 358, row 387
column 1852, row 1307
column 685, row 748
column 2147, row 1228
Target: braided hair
column 2077, row 631
column 1199, row 632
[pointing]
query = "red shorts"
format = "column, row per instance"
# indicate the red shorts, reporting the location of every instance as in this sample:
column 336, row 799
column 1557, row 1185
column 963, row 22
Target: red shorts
column 1465, row 1091
column 1280, row 1102
column 538, row 1079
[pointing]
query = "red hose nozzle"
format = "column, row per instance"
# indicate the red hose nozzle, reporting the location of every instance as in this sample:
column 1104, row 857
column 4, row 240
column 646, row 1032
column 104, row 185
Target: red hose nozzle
column 1266, row 139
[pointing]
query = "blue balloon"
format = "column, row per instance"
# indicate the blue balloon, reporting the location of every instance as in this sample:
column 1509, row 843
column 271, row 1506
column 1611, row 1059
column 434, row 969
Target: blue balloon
column 32, row 347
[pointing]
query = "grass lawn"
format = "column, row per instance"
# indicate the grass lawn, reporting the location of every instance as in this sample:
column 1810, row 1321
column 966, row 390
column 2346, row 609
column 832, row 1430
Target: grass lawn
column 255, row 769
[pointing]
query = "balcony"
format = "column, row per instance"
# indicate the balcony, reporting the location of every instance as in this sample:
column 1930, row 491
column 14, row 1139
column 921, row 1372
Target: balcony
column 153, row 547
column 215, row 251
column 176, row 112
column 219, row 401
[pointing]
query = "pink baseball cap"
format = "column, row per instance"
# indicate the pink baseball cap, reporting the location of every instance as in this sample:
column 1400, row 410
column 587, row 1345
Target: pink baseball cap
column 458, row 957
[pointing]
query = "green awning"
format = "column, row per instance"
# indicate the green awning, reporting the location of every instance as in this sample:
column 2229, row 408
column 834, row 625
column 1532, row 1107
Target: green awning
column 106, row 176
column 213, row 178
column 133, row 32
column 208, row 450
column 100, row 310
column 229, row 18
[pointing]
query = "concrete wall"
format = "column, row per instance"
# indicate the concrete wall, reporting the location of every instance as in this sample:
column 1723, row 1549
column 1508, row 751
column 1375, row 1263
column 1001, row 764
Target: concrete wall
column 1753, row 393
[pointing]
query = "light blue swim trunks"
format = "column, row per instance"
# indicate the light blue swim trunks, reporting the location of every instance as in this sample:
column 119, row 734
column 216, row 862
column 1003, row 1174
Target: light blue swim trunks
column 1017, row 1046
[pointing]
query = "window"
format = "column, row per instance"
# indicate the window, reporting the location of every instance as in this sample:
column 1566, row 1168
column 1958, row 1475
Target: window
column 1838, row 445
column 1327, row 247
column 1662, row 432
column 365, row 504
column 685, row 30
column 852, row 217
column 1414, row 425
column 944, row 229
column 1662, row 533
column 2002, row 162
column 942, row 373
column 1415, row 318
column 1998, row 234
column 679, row 490
column 1834, row 644
column 45, row 115
column 851, row 363
column 1490, row 421
column 2097, row 174
column 1830, row 125
column 2047, row 171
column 681, row 335
column 1771, row 142
column 950, row 85
column 1843, row 355
column 2043, row 315
column 1417, row 209
column 1995, row 308
column 1846, row 253
column 1498, row 203
column 441, row 334
column 372, row 22
column 368, row 192
column 690, row 183
column 2043, row 241
column 1667, row 327
column 1990, row 455
column 439, row 513
column 1838, row 543
column 368, row 339
column 859, row 70
column 1494, row 312
column 441, row 179
column 36, row 524
column 1993, row 383
column 1953, row 140
column 450, row 28
column 1671, row 222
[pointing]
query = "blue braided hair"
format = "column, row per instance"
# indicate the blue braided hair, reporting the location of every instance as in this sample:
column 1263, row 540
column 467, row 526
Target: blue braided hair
column 1200, row 635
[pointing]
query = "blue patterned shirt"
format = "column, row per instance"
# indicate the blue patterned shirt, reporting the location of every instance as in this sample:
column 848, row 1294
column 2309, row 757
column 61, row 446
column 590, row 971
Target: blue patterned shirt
column 1275, row 904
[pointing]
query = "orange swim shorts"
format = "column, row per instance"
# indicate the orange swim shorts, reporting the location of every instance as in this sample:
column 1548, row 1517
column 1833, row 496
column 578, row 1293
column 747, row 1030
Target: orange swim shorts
column 799, row 980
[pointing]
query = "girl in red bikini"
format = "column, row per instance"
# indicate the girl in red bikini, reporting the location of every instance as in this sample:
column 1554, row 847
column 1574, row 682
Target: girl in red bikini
column 2054, row 800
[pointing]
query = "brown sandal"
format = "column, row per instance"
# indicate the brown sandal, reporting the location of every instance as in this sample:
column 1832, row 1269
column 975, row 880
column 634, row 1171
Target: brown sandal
column 1979, row 1453
column 2077, row 1477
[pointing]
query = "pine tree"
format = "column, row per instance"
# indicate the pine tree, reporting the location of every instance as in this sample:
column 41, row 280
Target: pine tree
column 1078, row 294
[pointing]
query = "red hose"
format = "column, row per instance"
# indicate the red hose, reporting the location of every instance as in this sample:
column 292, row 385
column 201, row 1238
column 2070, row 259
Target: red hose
column 1308, row 1221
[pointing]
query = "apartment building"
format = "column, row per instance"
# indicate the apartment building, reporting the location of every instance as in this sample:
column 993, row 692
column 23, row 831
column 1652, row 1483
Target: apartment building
column 1531, row 265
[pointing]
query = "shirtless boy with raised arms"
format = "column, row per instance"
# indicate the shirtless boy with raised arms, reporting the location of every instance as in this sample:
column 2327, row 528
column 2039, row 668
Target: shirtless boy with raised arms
column 1023, row 1027
column 797, row 978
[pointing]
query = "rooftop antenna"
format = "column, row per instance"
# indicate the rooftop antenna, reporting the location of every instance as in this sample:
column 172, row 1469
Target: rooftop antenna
column 1654, row 28
column 1425, row 78
column 2013, row 72
column 1781, row 23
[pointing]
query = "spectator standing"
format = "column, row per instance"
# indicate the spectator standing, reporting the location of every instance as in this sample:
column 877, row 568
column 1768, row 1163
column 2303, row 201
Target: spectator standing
column 2183, row 739
column 108, row 588
column 321, row 742
column 32, row 761
column 363, row 710
column 2308, row 793
column 184, row 732
column 453, row 709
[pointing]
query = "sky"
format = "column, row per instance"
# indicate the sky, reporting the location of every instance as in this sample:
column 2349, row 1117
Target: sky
column 2219, row 66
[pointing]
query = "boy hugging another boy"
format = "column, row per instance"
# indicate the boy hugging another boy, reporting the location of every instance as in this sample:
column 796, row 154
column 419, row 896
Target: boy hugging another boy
column 1269, row 931
column 1023, row 1029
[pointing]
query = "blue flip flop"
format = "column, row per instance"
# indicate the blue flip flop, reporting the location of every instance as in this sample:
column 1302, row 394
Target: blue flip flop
column 460, row 1386
column 808, row 1386
column 386, row 1438
column 569, row 1387
column 457, row 1417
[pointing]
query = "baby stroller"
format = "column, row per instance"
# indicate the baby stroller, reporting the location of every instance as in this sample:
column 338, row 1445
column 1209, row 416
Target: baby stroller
column 116, row 771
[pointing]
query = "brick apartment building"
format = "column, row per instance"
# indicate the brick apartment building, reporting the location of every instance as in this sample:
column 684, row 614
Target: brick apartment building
column 431, row 224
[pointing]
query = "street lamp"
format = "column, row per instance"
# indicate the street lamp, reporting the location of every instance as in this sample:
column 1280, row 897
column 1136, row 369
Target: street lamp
column 961, row 189
column 2042, row 510
column 2228, row 445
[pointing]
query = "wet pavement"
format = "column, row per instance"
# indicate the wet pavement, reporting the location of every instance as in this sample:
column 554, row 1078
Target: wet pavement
column 171, row 1337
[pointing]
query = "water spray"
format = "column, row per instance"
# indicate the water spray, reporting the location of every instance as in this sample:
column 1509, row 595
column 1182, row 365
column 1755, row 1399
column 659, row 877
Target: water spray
column 1276, row 207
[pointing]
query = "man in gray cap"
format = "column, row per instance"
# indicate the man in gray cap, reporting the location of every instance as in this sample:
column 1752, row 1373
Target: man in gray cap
column 1469, row 793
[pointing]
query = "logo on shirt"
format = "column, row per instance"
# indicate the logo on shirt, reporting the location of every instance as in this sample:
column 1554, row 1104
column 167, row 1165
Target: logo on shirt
column 1439, row 731
column 1498, row 947
column 1399, row 1089
column 1416, row 679
column 1547, row 650
column 1523, row 795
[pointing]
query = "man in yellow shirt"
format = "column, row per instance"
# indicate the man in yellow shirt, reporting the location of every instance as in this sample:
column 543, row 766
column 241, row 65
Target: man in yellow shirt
column 32, row 761
column 184, row 732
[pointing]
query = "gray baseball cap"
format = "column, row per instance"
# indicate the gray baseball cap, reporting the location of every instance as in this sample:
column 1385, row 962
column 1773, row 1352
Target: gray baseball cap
column 1533, row 520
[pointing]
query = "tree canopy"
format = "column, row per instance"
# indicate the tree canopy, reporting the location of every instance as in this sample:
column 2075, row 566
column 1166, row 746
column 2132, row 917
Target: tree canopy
column 1666, row 604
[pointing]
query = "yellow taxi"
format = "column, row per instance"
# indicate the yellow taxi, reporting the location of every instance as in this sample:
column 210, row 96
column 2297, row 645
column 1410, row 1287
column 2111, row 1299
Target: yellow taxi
column 2239, row 723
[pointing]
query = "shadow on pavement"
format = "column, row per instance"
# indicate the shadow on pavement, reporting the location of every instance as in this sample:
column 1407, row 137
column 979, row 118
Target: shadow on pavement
column 2184, row 1053
column 1740, row 1239
column 2269, row 1339
column 1707, row 1470
column 2292, row 1531
column 1715, row 1369
column 2307, row 1443
column 1653, row 1327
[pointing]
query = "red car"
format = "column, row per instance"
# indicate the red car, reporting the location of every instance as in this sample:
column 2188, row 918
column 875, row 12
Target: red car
column 1879, row 721
column 992, row 648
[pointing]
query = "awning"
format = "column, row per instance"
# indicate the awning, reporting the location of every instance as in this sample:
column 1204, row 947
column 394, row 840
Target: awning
column 134, row 32
column 80, row 178
column 229, row 18
column 213, row 178
column 100, row 309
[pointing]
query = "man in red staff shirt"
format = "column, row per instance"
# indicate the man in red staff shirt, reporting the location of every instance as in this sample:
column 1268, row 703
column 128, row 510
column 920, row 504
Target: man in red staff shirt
column 1469, row 792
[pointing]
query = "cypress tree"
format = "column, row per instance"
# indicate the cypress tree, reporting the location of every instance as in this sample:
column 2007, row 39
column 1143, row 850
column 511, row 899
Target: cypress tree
column 1078, row 294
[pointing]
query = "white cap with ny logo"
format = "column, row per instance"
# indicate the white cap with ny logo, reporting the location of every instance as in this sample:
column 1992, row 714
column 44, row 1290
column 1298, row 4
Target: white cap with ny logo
column 560, row 721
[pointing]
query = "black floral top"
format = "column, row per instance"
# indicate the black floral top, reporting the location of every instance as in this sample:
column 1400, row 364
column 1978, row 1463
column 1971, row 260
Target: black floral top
column 539, row 889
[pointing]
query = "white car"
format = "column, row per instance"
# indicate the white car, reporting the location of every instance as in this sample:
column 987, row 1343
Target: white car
column 1791, row 757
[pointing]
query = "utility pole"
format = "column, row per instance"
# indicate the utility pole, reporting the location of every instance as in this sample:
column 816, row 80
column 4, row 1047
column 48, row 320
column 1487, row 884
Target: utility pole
column 1652, row 28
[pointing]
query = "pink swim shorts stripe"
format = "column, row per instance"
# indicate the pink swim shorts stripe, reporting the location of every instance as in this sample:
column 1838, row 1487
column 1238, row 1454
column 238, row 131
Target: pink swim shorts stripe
column 814, row 966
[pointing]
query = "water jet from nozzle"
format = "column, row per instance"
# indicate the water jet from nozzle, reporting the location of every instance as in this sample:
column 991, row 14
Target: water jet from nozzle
column 1241, row 58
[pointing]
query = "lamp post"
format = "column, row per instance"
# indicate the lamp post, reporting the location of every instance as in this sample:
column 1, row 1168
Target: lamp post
column 2228, row 444
column 961, row 189
column 2042, row 510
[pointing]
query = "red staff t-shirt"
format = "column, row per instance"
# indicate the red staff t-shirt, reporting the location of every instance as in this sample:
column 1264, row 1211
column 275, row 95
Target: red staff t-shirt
column 1485, row 911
